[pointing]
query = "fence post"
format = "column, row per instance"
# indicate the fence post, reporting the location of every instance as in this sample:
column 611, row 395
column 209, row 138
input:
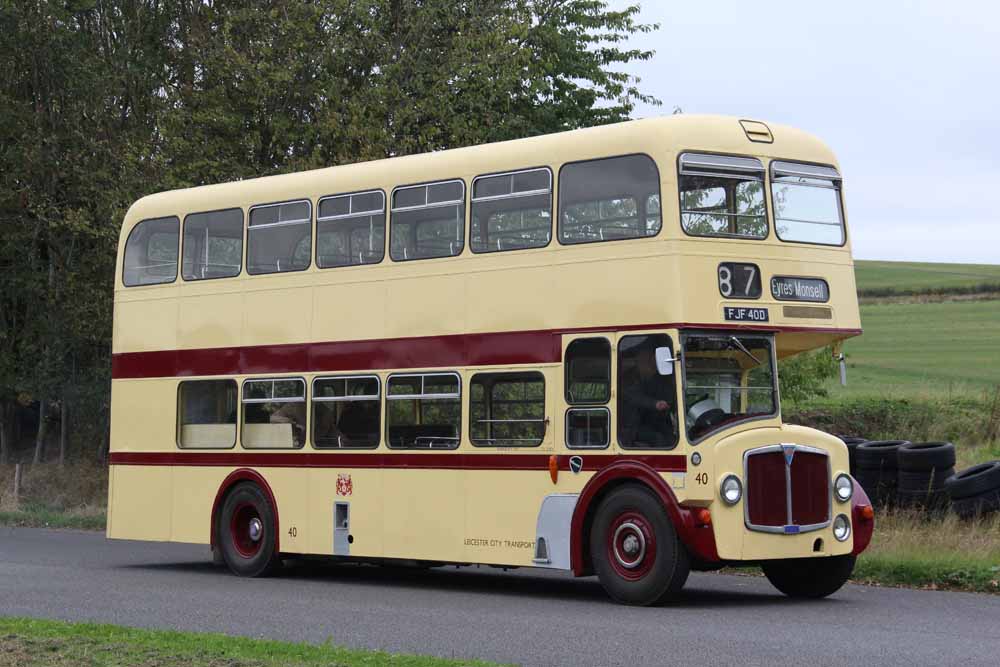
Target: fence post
column 17, row 484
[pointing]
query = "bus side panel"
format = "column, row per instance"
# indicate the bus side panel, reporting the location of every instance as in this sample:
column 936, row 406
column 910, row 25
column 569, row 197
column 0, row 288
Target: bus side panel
column 502, row 508
column 335, row 314
column 278, row 315
column 424, row 515
column 362, row 489
column 193, row 497
column 525, row 291
column 291, row 492
column 148, row 325
column 143, row 415
column 142, row 496
column 211, row 320
column 429, row 306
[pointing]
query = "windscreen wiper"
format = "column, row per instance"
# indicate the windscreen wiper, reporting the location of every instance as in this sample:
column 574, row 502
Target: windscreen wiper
column 742, row 348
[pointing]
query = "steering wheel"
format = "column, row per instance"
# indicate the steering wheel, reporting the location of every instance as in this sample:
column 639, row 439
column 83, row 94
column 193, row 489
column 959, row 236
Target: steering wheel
column 705, row 414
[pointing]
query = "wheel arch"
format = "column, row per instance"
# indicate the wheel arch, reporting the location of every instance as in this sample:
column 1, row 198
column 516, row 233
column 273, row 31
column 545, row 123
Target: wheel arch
column 231, row 480
column 699, row 539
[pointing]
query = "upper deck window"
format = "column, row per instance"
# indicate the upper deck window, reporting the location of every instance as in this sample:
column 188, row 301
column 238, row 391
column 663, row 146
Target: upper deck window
column 213, row 244
column 279, row 238
column 722, row 196
column 807, row 203
column 609, row 199
column 512, row 211
column 350, row 229
column 427, row 221
column 151, row 252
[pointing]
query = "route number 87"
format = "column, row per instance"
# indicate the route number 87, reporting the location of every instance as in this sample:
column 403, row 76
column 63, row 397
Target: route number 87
column 739, row 281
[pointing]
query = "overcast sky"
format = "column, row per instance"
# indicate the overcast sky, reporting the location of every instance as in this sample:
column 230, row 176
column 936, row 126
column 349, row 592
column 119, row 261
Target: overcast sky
column 907, row 94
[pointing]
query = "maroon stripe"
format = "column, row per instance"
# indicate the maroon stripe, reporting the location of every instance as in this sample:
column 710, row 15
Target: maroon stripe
column 459, row 350
column 429, row 461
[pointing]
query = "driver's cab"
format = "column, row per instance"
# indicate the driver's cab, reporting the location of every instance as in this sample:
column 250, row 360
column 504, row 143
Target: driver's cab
column 728, row 378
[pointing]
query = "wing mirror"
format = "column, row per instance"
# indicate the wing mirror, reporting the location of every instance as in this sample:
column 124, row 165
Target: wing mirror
column 665, row 361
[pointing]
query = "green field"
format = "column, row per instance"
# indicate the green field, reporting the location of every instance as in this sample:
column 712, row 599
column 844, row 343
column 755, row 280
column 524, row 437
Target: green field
column 934, row 348
column 912, row 277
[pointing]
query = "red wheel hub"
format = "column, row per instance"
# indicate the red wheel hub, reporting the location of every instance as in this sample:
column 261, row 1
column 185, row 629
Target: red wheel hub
column 246, row 529
column 631, row 545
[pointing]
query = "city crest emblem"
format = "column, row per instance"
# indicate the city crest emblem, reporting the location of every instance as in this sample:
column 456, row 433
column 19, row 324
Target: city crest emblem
column 344, row 485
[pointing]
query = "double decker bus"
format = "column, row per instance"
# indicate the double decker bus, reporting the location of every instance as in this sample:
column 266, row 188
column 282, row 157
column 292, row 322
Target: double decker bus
column 556, row 352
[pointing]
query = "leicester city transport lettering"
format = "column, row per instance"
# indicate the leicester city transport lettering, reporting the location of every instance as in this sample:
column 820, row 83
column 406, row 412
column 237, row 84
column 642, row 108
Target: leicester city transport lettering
column 789, row 288
column 740, row 314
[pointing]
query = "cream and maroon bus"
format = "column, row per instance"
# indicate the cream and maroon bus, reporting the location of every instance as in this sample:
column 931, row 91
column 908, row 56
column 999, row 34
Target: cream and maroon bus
column 556, row 352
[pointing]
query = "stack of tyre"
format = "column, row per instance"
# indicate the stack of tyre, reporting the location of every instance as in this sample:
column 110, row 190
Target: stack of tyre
column 975, row 491
column 852, row 443
column 924, row 468
column 876, row 468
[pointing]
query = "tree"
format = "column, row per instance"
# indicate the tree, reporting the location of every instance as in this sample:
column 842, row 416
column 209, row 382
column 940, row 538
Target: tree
column 73, row 112
column 282, row 85
column 104, row 101
column 804, row 376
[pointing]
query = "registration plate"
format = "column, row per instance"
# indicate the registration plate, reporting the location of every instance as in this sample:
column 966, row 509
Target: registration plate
column 741, row 314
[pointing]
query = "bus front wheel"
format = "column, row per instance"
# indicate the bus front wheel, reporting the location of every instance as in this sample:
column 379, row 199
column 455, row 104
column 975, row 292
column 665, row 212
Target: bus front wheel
column 245, row 532
column 809, row 577
column 635, row 550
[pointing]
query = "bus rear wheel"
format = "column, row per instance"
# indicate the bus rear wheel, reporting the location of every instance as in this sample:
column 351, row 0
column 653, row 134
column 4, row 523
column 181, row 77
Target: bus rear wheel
column 635, row 550
column 246, row 532
column 809, row 577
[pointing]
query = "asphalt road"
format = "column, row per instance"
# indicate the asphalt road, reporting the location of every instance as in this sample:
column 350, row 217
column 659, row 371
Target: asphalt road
column 521, row 617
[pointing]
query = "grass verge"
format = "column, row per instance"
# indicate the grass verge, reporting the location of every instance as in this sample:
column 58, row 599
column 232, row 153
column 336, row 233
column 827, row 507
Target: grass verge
column 37, row 643
column 947, row 553
column 42, row 517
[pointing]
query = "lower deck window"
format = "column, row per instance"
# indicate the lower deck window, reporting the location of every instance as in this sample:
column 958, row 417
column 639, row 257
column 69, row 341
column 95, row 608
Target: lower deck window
column 206, row 414
column 346, row 412
column 424, row 411
column 507, row 409
column 274, row 414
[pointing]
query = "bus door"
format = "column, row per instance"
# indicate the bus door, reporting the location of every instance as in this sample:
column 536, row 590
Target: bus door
column 587, row 366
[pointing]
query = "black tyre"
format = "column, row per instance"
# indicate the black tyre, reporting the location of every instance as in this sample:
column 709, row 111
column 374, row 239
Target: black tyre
column 931, row 501
column 809, row 577
column 879, row 484
column 923, row 481
column 977, row 506
column 974, row 481
column 879, row 454
column 635, row 550
column 926, row 456
column 246, row 532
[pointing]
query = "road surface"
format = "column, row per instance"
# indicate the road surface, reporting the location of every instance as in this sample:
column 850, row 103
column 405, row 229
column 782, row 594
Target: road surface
column 525, row 616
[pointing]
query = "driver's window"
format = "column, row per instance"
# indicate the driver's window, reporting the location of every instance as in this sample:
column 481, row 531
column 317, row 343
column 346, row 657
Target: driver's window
column 647, row 400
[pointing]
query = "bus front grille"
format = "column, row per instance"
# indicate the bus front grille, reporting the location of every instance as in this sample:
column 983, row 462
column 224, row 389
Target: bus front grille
column 787, row 489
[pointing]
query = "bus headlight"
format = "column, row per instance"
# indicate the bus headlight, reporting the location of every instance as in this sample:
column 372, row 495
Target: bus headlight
column 843, row 487
column 731, row 489
column 841, row 528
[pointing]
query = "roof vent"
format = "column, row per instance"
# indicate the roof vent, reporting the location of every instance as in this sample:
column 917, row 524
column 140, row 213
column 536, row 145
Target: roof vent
column 757, row 131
